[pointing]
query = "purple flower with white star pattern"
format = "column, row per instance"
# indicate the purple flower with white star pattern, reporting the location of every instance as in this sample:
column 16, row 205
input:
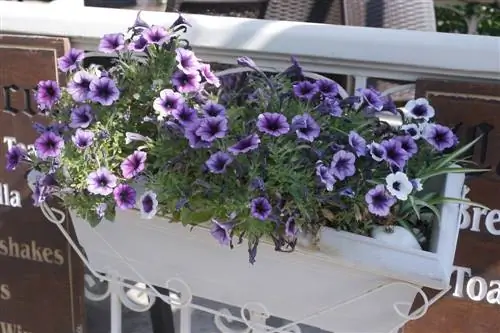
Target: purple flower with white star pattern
column 245, row 145
column 342, row 165
column 79, row 86
column 260, row 208
column 186, row 83
column 83, row 138
column 305, row 127
column 133, row 164
column 379, row 201
column 49, row 145
column 212, row 128
column 47, row 94
column 156, row 35
column 70, row 61
column 101, row 181
column 218, row 162
column 104, row 91
column 357, row 142
column 125, row 196
column 111, row 43
column 81, row 116
column 274, row 124
column 186, row 60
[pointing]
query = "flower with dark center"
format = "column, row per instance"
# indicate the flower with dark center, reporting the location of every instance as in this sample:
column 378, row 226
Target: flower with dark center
column 245, row 145
column 209, row 76
column 330, row 106
column 222, row 232
column 195, row 140
column 139, row 44
column 218, row 162
column 305, row 127
column 379, row 201
column 212, row 109
column 111, row 43
column 274, row 124
column 70, row 61
column 49, row 144
column 168, row 101
column 125, row 196
column 327, row 88
column 185, row 115
column 395, row 154
column 133, row 164
column 101, row 181
column 47, row 94
column 260, row 208
column 419, row 109
column 342, row 165
column 148, row 204
column 412, row 130
column 81, row 116
column 377, row 152
column 104, row 91
column 186, row 83
column 156, row 35
column 398, row 185
column 372, row 97
column 83, row 138
column 186, row 60
column 357, row 143
column 325, row 175
column 439, row 136
column 212, row 128
column 408, row 145
column 79, row 86
column 305, row 90
column 14, row 156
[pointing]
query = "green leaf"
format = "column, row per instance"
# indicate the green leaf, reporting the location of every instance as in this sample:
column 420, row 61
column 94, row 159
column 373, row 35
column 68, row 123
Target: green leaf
column 427, row 205
column 451, row 157
column 414, row 206
column 328, row 214
column 458, row 201
column 451, row 170
column 189, row 217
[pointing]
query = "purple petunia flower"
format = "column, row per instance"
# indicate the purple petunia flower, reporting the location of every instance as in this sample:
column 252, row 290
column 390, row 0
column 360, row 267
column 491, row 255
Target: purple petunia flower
column 125, row 196
column 372, row 97
column 47, row 94
column 70, row 61
column 79, row 86
column 395, row 154
column 247, row 62
column 81, row 116
column 168, row 101
column 139, row 44
column 100, row 210
column 439, row 136
column 305, row 90
column 82, row 138
column 101, row 181
column 133, row 164
column 330, row 106
column 212, row 128
column 212, row 109
column 49, row 144
column 379, row 201
column 186, row 60
column 347, row 192
column 408, row 145
column 325, row 176
column 260, row 208
column 156, row 35
column 327, row 88
column 306, row 127
column 342, row 165
column 148, row 204
column 412, row 130
column 357, row 142
column 377, row 151
column 246, row 144
column 419, row 109
column 274, row 124
column 195, row 140
column 104, row 91
column 186, row 83
column 111, row 43
column 209, row 76
column 222, row 232
column 14, row 156
column 185, row 115
column 218, row 162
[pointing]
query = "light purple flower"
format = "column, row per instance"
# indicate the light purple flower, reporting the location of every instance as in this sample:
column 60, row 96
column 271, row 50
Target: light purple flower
column 330, row 106
column 325, row 176
column 408, row 145
column 101, row 181
column 111, row 43
column 186, row 60
column 342, row 165
column 139, row 44
column 357, row 142
column 247, row 62
column 245, row 145
column 70, row 61
column 125, row 196
column 100, row 209
column 291, row 229
column 260, row 208
column 131, row 136
column 419, row 109
column 47, row 94
column 439, row 136
column 185, row 115
column 305, row 90
column 209, row 76
column 81, row 116
column 186, row 83
column 274, row 124
column 133, row 164
column 49, row 144
column 195, row 140
column 412, row 130
column 218, row 162
column 104, row 91
column 327, row 88
column 222, row 232
column 168, row 101
column 79, row 86
column 212, row 109
column 379, row 201
column 83, row 138
column 212, row 128
column 372, row 97
column 377, row 152
column 306, row 127
column 156, row 35
column 14, row 156
column 148, row 204
column 395, row 154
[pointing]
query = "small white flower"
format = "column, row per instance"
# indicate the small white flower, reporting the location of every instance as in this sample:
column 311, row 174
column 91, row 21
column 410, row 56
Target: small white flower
column 417, row 184
column 399, row 185
column 413, row 130
column 148, row 204
column 130, row 136
column 419, row 109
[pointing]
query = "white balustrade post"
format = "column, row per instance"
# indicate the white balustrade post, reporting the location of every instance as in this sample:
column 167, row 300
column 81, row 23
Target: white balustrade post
column 185, row 320
column 116, row 307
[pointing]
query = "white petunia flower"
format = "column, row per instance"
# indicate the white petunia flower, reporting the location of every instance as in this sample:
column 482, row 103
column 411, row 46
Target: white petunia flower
column 417, row 184
column 148, row 204
column 419, row 109
column 399, row 185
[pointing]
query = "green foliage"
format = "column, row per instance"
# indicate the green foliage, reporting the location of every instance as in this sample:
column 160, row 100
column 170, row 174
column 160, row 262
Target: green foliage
column 454, row 20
